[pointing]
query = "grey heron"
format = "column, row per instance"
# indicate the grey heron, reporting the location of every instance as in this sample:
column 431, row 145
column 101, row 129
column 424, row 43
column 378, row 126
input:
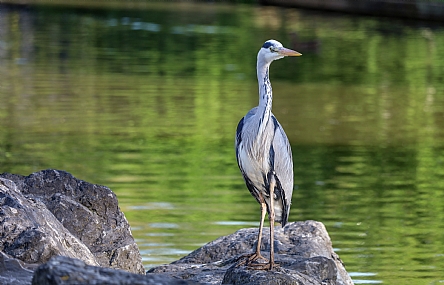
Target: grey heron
column 264, row 155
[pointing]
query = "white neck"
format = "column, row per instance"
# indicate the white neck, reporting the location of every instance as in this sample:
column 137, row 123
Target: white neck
column 265, row 93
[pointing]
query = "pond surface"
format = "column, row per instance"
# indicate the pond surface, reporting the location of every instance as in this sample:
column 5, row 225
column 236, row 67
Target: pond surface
column 145, row 99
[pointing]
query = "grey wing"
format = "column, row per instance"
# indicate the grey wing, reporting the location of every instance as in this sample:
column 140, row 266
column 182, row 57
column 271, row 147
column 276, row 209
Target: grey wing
column 283, row 167
column 239, row 132
column 243, row 133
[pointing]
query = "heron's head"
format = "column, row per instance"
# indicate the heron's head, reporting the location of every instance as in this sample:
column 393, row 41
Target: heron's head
column 273, row 50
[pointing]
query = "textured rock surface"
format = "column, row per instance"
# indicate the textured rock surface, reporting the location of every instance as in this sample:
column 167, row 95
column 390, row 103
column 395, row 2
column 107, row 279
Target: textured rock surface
column 14, row 271
column 51, row 213
column 303, row 250
column 30, row 232
column 63, row 271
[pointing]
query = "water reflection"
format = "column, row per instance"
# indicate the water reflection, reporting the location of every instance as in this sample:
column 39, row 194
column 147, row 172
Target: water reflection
column 146, row 102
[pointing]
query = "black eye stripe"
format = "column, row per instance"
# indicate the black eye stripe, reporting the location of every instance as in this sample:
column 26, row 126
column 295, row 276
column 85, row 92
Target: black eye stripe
column 267, row 45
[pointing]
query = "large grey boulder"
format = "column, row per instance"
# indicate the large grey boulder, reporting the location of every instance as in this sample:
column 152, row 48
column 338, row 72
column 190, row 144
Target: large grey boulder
column 50, row 213
column 303, row 250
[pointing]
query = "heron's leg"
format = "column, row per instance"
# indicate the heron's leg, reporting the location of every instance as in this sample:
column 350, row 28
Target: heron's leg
column 271, row 217
column 257, row 254
column 251, row 257
column 261, row 226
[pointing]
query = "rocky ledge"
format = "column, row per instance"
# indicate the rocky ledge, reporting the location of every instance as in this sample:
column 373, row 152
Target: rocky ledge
column 57, row 229
column 302, row 249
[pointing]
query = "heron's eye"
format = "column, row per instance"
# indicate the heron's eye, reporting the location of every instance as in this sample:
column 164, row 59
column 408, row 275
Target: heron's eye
column 273, row 49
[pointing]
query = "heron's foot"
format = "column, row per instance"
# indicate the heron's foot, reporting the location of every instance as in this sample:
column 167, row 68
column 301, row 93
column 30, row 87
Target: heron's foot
column 251, row 259
column 262, row 266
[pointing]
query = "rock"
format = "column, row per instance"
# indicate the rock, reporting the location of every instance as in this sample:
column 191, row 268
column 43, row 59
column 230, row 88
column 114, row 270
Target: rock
column 316, row 270
column 30, row 232
column 303, row 250
column 50, row 213
column 14, row 271
column 63, row 271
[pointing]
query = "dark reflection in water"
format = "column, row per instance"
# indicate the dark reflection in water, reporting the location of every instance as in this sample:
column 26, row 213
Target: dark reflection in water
column 146, row 101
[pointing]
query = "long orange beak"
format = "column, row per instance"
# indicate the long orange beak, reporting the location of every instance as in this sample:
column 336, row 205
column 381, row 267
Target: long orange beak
column 288, row 52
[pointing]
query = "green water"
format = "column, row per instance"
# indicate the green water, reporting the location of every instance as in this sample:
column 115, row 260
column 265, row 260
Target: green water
column 145, row 99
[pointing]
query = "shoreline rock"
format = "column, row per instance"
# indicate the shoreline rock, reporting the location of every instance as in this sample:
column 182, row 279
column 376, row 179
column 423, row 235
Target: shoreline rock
column 50, row 213
column 303, row 250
